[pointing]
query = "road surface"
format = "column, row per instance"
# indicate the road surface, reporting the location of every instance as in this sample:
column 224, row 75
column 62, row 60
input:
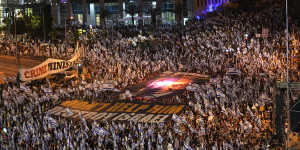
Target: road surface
column 9, row 65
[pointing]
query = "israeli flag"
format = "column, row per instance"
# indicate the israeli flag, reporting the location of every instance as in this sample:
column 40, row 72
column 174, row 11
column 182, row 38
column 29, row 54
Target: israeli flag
column 249, row 110
column 48, row 90
column 187, row 147
column 52, row 122
column 96, row 131
column 160, row 138
column 219, row 93
column 233, row 71
column 99, row 131
column 175, row 118
column 258, row 122
column 23, row 87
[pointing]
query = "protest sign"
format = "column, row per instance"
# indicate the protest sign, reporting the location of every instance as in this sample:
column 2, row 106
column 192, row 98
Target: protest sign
column 48, row 67
column 138, row 112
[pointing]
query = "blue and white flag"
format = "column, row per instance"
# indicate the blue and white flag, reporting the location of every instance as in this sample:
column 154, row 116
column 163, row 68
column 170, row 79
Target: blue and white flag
column 100, row 131
column 258, row 122
column 83, row 120
column 175, row 118
column 51, row 122
column 48, row 90
column 96, row 131
column 219, row 93
column 239, row 113
column 233, row 71
column 224, row 110
column 160, row 139
column 227, row 146
column 23, row 87
column 250, row 112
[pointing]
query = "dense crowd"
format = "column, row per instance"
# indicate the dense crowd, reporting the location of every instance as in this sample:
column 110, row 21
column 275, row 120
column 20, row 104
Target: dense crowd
column 232, row 111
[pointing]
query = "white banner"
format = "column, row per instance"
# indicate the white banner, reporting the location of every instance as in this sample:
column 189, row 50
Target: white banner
column 48, row 67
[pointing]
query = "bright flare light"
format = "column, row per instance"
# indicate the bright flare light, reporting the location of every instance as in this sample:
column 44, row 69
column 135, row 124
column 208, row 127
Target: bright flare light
column 169, row 83
column 163, row 83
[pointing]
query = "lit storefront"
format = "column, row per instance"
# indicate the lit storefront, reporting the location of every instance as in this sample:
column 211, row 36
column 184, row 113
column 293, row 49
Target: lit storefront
column 116, row 11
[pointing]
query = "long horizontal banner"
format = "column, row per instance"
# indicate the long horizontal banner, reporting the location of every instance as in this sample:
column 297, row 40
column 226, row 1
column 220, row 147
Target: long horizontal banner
column 48, row 67
column 138, row 112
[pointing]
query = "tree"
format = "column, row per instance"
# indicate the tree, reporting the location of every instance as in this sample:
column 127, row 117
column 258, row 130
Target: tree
column 132, row 9
column 32, row 23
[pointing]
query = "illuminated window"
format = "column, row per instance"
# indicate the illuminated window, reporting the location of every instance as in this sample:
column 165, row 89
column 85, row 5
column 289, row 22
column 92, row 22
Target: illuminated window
column 28, row 11
column 154, row 4
column 89, row 19
column 80, row 18
column 97, row 19
column 168, row 18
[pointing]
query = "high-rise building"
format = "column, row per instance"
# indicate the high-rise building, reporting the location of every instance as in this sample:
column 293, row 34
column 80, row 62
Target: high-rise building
column 89, row 12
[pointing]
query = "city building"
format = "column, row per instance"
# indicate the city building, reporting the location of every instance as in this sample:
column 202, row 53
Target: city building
column 4, row 4
column 8, row 8
column 110, row 12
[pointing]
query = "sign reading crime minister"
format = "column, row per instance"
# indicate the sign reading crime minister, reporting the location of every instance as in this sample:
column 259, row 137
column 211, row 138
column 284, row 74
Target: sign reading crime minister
column 138, row 112
column 48, row 67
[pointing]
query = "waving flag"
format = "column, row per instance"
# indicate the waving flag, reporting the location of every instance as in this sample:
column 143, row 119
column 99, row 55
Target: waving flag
column 258, row 122
column 160, row 138
column 219, row 93
column 83, row 119
column 175, row 118
column 99, row 131
column 224, row 110
column 187, row 146
column 249, row 111
column 52, row 122
column 233, row 71
column 239, row 113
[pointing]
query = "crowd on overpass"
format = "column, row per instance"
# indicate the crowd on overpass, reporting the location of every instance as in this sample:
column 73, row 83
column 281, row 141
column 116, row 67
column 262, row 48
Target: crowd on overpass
column 233, row 111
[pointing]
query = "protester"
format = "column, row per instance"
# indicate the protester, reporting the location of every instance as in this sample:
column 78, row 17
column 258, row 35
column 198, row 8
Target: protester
column 231, row 111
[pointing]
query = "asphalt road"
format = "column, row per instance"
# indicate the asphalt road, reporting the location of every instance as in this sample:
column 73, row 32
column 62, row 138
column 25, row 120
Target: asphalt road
column 9, row 65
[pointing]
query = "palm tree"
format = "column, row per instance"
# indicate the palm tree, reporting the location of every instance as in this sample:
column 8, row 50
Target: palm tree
column 132, row 9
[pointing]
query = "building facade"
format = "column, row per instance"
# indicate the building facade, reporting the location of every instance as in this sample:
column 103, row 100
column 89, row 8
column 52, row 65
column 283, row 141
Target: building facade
column 4, row 4
column 8, row 8
column 110, row 12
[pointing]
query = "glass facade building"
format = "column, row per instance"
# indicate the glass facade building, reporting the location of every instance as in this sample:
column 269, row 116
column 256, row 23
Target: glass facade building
column 88, row 12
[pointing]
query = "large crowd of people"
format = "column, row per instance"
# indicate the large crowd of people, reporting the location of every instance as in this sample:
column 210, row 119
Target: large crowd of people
column 232, row 111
